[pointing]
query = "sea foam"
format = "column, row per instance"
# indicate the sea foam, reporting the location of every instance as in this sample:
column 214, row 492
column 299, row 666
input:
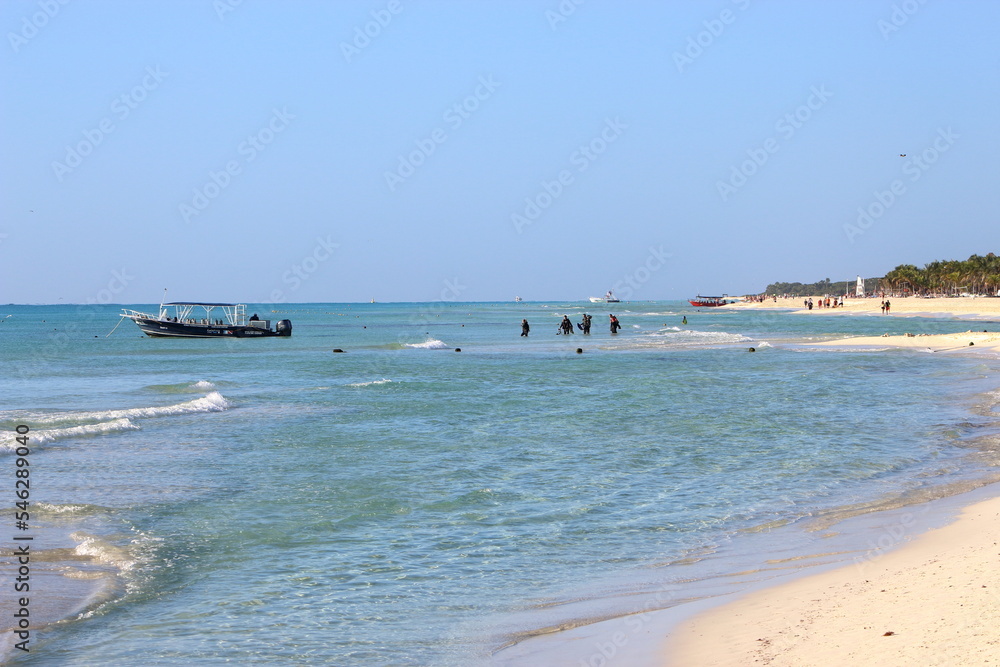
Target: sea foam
column 431, row 344
column 368, row 384
column 211, row 402
column 107, row 421
column 39, row 437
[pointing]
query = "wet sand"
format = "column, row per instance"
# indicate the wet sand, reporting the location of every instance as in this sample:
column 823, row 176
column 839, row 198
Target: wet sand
column 934, row 601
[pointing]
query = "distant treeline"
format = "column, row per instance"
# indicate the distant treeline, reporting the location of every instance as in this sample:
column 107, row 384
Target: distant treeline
column 980, row 274
column 819, row 288
column 977, row 275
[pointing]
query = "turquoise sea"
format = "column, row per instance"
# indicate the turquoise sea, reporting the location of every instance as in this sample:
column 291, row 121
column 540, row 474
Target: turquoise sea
column 269, row 501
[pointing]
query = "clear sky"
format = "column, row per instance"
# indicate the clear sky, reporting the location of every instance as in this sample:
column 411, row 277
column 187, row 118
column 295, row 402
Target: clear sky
column 303, row 151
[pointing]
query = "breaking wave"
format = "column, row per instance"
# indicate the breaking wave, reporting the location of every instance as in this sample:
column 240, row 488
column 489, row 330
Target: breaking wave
column 368, row 384
column 211, row 402
column 66, row 425
column 430, row 344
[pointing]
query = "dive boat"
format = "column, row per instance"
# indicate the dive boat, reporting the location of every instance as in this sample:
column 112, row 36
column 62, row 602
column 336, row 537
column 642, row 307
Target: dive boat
column 205, row 320
column 708, row 301
column 607, row 298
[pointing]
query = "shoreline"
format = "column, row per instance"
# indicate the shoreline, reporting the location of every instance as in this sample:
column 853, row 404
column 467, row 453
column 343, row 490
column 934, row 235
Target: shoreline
column 728, row 628
column 932, row 600
column 973, row 308
column 652, row 635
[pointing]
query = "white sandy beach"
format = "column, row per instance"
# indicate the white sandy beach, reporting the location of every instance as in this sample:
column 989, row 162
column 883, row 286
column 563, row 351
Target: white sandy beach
column 933, row 601
column 964, row 307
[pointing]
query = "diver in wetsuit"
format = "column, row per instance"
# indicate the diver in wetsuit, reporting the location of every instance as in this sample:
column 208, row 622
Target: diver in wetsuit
column 615, row 324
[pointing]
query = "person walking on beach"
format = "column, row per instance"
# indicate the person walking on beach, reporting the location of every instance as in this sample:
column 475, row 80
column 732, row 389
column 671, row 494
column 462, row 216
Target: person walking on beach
column 883, row 307
column 525, row 328
column 887, row 306
column 566, row 326
column 615, row 324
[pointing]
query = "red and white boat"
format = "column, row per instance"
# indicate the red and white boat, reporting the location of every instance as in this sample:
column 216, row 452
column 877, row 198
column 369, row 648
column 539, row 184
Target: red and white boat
column 708, row 301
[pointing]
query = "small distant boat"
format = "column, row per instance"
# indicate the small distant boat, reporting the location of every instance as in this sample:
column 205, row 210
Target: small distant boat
column 709, row 301
column 517, row 299
column 607, row 298
column 205, row 320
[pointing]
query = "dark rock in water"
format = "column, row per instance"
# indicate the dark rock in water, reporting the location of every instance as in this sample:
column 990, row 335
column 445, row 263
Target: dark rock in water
column 752, row 349
column 579, row 350
column 337, row 349
column 458, row 349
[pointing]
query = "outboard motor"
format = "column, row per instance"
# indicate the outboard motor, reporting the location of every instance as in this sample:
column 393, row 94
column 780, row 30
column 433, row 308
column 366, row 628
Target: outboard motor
column 284, row 328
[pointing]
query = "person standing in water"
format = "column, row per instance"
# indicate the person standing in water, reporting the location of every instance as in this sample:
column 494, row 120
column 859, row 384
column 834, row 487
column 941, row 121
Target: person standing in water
column 566, row 326
column 525, row 328
column 684, row 320
column 585, row 325
column 615, row 324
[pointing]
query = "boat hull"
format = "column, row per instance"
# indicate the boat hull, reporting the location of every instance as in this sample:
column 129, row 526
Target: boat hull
column 706, row 304
column 161, row 329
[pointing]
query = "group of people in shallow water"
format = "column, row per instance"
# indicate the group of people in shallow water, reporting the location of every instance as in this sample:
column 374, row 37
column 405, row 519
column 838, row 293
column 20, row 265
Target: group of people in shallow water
column 566, row 326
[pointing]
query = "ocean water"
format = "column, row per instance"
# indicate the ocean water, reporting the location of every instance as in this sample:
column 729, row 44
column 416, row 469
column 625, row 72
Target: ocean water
column 403, row 503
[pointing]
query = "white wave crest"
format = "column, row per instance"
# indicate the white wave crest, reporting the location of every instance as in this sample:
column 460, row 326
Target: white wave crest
column 368, row 384
column 203, row 385
column 211, row 402
column 8, row 441
column 432, row 344
column 102, row 551
column 50, row 508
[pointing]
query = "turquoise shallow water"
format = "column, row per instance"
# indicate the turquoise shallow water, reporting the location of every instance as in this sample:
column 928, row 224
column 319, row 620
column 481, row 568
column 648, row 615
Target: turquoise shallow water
column 268, row 501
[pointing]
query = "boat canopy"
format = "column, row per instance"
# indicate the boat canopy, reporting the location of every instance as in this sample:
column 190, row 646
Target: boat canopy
column 234, row 314
column 197, row 303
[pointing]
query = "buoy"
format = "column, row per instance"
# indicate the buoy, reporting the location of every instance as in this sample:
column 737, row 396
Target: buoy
column 458, row 349
column 337, row 349
column 579, row 350
column 752, row 350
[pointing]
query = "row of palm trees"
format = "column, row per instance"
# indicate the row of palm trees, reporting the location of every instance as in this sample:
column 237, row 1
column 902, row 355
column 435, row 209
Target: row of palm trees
column 977, row 275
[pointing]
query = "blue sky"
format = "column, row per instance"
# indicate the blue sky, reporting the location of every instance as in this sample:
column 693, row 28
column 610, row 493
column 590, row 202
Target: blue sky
column 303, row 151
